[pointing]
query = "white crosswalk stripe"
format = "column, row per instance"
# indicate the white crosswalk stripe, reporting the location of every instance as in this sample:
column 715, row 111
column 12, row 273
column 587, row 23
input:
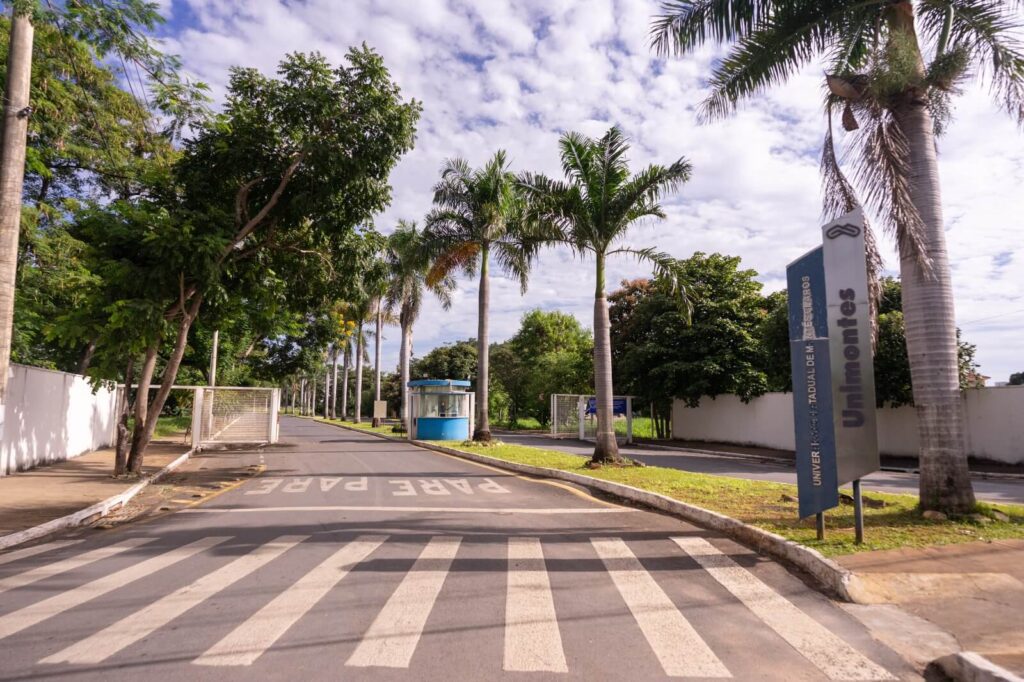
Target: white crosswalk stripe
column 127, row 631
column 59, row 603
column 394, row 634
column 250, row 639
column 834, row 657
column 27, row 552
column 69, row 564
column 532, row 640
column 677, row 645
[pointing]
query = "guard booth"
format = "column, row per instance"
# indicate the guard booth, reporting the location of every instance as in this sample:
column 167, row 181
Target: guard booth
column 441, row 409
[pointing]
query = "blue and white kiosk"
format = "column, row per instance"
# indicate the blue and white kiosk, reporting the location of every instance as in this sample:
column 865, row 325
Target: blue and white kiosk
column 441, row 409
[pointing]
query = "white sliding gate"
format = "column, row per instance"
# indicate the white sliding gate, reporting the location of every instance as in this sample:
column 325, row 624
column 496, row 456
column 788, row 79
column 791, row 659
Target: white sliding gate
column 575, row 416
column 228, row 414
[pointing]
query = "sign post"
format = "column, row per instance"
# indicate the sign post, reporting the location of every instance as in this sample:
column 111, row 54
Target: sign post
column 833, row 370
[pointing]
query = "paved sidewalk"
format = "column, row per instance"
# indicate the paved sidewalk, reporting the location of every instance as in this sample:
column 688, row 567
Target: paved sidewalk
column 973, row 591
column 33, row 497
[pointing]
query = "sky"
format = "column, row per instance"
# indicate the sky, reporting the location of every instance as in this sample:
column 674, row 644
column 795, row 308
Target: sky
column 515, row 74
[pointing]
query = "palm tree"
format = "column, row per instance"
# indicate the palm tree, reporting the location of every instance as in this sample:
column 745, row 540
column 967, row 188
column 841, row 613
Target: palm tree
column 592, row 210
column 893, row 104
column 408, row 266
column 478, row 213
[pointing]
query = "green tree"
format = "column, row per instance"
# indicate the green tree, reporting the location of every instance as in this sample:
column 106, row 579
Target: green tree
column 658, row 356
column 456, row 360
column 591, row 212
column 893, row 104
column 408, row 266
column 478, row 214
column 1017, row 379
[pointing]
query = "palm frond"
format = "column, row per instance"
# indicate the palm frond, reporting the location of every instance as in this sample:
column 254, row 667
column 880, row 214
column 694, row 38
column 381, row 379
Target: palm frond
column 687, row 24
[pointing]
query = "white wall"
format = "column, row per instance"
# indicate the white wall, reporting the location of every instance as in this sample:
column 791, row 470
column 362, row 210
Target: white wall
column 994, row 429
column 52, row 416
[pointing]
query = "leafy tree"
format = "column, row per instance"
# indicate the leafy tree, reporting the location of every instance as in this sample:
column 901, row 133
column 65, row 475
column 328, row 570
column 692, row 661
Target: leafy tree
column 658, row 356
column 451, row 361
column 893, row 104
column 1017, row 379
column 550, row 353
column 408, row 266
column 591, row 211
column 774, row 335
column 478, row 213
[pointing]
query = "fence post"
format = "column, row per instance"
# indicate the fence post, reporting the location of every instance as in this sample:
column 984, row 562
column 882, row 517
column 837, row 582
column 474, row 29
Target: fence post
column 197, row 419
column 581, row 410
column 629, row 419
column 275, row 406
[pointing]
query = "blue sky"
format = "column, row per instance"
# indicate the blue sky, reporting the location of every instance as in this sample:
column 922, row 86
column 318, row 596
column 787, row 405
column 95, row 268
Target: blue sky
column 513, row 74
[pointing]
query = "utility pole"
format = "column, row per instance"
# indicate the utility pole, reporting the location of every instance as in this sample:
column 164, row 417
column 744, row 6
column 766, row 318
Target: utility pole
column 12, row 176
column 376, row 359
column 213, row 358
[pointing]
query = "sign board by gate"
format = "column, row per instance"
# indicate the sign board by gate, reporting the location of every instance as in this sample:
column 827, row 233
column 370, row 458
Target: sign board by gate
column 850, row 353
column 833, row 371
column 817, row 481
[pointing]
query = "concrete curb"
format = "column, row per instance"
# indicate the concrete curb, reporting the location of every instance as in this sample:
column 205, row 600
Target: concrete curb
column 833, row 577
column 968, row 666
column 92, row 513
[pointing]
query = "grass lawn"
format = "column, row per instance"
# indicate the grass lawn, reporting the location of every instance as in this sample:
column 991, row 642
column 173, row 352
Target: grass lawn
column 897, row 524
column 169, row 427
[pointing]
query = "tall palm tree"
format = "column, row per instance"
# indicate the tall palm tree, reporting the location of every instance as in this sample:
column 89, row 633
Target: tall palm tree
column 408, row 266
column 477, row 214
column 893, row 66
column 592, row 210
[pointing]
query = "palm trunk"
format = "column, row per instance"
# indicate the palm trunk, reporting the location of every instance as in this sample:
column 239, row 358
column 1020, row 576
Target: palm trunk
column 928, row 314
column 344, row 393
column 358, row 397
column 376, row 359
column 483, row 373
column 12, row 177
column 606, row 449
column 403, row 364
column 334, row 383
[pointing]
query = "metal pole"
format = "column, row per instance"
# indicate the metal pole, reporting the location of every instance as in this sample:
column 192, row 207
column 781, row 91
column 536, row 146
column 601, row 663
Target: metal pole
column 819, row 520
column 858, row 513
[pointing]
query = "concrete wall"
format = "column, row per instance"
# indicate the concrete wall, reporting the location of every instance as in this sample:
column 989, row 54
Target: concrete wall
column 995, row 423
column 52, row 416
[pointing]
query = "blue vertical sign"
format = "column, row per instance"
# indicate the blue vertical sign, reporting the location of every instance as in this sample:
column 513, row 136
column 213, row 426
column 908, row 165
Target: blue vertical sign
column 816, row 469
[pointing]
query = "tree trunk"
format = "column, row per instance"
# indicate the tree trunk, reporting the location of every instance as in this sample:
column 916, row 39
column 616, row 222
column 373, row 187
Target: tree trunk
column 141, row 410
column 376, row 359
column 86, row 360
column 358, row 397
column 483, row 373
column 170, row 373
column 403, row 370
column 607, row 448
column 121, row 444
column 344, row 380
column 928, row 314
column 334, row 383
column 12, row 178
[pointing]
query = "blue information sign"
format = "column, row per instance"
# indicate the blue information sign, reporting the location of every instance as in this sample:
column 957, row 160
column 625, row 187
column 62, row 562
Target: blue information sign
column 816, row 470
column 618, row 406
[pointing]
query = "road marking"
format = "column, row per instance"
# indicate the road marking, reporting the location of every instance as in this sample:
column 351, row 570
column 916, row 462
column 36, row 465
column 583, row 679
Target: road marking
column 70, row 564
column 677, row 645
column 59, row 603
column 105, row 643
column 248, row 641
column 395, row 632
column 32, row 551
column 532, row 639
column 834, row 657
column 454, row 510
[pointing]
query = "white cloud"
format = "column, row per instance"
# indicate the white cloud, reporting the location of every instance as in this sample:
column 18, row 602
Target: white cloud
column 513, row 75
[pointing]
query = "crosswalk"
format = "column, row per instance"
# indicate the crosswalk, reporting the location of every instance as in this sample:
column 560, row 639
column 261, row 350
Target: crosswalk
column 533, row 638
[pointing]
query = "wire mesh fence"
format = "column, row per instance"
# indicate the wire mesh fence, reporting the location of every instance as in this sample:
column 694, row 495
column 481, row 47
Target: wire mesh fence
column 575, row 416
column 236, row 415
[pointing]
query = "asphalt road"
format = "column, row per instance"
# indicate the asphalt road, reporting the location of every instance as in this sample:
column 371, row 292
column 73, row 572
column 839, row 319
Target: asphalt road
column 359, row 558
column 989, row 490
